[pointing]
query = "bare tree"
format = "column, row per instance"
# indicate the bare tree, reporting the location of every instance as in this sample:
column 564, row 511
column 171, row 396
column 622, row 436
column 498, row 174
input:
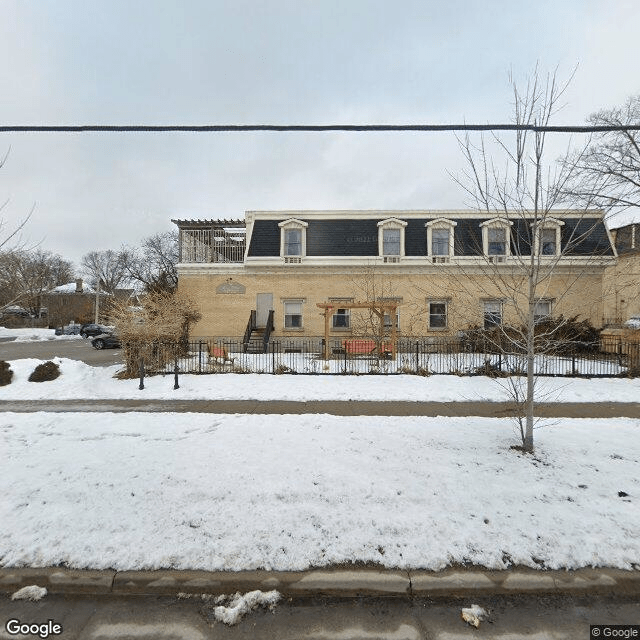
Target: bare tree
column 26, row 275
column 156, row 331
column 106, row 269
column 154, row 263
column 521, row 261
column 10, row 235
column 607, row 173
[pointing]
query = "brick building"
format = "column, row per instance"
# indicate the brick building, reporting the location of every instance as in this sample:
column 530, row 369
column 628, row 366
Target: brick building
column 446, row 270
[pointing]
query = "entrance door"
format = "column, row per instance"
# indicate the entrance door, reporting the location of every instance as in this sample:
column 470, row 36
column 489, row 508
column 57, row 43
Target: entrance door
column 264, row 304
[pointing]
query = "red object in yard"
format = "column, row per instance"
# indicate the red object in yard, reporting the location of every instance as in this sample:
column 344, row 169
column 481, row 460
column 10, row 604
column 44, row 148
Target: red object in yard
column 364, row 347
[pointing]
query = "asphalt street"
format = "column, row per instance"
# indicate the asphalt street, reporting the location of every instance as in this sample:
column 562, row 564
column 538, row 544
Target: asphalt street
column 169, row 618
column 75, row 349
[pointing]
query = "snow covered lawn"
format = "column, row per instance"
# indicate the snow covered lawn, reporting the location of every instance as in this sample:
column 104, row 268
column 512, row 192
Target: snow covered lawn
column 198, row 491
column 33, row 335
column 80, row 380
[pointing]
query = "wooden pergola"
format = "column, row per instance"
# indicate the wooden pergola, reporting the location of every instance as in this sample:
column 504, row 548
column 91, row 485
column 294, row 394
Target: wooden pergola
column 380, row 308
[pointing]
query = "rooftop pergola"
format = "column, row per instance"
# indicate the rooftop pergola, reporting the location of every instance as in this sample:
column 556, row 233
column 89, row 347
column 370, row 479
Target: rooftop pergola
column 379, row 308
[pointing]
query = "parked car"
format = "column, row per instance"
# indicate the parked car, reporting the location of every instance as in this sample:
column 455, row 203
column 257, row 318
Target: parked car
column 106, row 341
column 633, row 322
column 92, row 329
column 68, row 330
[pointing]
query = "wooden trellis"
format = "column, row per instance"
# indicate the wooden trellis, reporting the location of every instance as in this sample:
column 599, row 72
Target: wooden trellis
column 379, row 308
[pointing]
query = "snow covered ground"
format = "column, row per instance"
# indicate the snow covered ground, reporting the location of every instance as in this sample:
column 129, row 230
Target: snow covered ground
column 82, row 381
column 199, row 491
column 33, row 335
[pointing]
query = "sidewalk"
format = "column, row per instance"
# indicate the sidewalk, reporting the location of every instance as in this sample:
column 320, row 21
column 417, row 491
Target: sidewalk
column 336, row 408
column 340, row 582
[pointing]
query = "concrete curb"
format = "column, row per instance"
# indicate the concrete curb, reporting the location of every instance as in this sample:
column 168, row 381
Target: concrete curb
column 327, row 582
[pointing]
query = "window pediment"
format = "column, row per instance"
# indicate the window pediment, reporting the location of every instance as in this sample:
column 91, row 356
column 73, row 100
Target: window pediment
column 392, row 222
column 293, row 222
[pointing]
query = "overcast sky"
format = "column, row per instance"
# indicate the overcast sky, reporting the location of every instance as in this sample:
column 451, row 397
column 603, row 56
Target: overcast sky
column 248, row 62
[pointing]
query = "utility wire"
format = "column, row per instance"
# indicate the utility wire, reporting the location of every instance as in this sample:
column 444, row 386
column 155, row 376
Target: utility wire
column 212, row 128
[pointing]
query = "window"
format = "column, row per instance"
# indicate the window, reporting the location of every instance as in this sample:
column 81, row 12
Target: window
column 547, row 241
column 438, row 314
column 496, row 239
column 440, row 242
column 341, row 319
column 492, row 313
column 542, row 310
column 293, row 314
column 387, row 321
column 293, row 240
column 497, row 242
column 391, row 239
column 391, row 242
column 440, row 239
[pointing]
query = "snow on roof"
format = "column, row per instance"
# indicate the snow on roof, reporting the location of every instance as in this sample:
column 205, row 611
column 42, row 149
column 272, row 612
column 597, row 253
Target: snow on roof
column 70, row 287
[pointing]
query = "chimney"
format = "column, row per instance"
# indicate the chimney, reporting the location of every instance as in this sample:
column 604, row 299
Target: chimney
column 79, row 285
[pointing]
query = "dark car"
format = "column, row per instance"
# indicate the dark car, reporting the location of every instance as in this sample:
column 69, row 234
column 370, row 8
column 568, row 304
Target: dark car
column 106, row 341
column 68, row 330
column 92, row 329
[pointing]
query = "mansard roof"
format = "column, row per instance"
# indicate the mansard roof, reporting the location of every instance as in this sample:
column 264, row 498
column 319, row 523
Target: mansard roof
column 355, row 233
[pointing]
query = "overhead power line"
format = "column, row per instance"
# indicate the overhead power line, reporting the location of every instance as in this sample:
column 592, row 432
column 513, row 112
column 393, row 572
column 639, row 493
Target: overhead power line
column 212, row 128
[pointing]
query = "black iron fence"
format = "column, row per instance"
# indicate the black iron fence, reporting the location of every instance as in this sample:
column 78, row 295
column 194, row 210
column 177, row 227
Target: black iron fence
column 425, row 356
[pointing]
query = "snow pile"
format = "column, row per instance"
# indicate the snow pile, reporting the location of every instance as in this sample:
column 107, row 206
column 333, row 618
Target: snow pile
column 289, row 492
column 473, row 615
column 80, row 380
column 34, row 335
column 240, row 605
column 32, row 592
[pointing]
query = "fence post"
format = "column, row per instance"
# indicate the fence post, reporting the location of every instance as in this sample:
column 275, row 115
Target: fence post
column 273, row 357
column 345, row 358
column 200, row 356
column 175, row 374
column 417, row 356
column 141, row 371
column 573, row 363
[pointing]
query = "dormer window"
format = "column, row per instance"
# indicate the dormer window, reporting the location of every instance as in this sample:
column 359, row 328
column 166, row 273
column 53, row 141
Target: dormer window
column 440, row 239
column 293, row 240
column 496, row 239
column 391, row 239
column 547, row 241
column 391, row 242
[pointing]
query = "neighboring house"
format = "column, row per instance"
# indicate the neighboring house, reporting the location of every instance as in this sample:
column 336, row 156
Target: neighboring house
column 438, row 266
column 71, row 302
column 622, row 280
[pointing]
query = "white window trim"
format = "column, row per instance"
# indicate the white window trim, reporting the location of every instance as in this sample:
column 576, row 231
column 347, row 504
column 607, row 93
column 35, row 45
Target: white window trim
column 498, row 301
column 388, row 326
column 496, row 223
column 548, row 301
column 548, row 223
column 390, row 223
column 293, row 223
column 446, row 303
column 440, row 223
column 299, row 301
column 336, row 300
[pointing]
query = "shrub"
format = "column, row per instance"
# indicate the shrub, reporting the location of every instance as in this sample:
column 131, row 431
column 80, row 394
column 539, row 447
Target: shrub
column 558, row 336
column 491, row 370
column 45, row 372
column 5, row 373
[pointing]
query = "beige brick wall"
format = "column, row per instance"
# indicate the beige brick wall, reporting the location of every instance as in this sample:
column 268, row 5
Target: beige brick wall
column 224, row 314
column 622, row 288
